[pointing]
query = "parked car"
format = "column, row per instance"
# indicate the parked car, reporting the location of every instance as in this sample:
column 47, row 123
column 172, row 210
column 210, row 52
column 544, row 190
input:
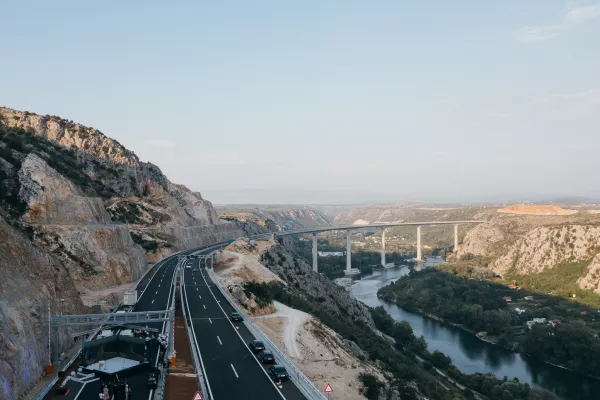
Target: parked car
column 235, row 316
column 256, row 346
column 278, row 372
column 266, row 357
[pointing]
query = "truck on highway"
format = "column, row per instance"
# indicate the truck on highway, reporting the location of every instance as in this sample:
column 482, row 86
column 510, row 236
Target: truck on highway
column 130, row 298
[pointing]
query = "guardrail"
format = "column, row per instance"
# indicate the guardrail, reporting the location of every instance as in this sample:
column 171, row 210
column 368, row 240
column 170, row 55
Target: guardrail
column 46, row 388
column 305, row 386
column 201, row 375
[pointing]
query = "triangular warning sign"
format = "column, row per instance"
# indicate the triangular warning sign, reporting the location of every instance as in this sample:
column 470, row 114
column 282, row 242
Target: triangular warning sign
column 198, row 396
column 328, row 389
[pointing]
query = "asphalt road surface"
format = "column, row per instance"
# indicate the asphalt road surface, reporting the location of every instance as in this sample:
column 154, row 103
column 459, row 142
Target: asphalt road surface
column 233, row 372
column 154, row 294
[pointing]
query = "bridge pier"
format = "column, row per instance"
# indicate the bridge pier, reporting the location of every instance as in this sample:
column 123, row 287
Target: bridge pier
column 419, row 255
column 383, row 248
column 455, row 238
column 348, row 252
column 314, row 252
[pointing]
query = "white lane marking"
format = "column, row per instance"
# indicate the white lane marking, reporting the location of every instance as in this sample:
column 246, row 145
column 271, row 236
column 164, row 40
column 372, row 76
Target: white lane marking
column 199, row 296
column 234, row 371
column 210, row 320
column 157, row 292
column 219, row 339
column 187, row 305
column 204, row 306
column 243, row 341
column 152, row 301
column 196, row 289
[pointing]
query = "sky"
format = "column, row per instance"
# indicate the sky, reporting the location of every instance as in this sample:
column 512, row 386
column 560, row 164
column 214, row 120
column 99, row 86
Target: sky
column 324, row 101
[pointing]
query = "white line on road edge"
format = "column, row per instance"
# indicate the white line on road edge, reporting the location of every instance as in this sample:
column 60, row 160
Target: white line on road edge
column 242, row 339
column 187, row 305
column 219, row 339
column 148, row 284
column 234, row 371
column 163, row 326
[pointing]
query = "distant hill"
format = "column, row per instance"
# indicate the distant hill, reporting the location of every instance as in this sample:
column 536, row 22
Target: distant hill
column 277, row 218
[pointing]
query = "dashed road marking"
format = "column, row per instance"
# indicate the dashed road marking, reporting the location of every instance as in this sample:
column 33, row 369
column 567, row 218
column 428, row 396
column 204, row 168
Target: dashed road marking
column 219, row 339
column 234, row 371
column 204, row 306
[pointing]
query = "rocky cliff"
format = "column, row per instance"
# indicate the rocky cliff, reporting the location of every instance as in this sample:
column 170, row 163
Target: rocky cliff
column 31, row 281
column 56, row 172
column 533, row 244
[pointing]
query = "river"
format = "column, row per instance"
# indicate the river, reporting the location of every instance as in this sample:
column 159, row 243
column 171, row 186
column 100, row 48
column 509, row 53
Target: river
column 469, row 353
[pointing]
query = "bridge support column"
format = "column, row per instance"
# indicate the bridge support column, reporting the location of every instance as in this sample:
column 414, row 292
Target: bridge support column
column 419, row 255
column 314, row 253
column 348, row 252
column 383, row 248
column 455, row 238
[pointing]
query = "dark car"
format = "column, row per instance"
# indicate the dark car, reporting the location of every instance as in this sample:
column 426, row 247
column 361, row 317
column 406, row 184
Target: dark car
column 266, row 357
column 256, row 346
column 278, row 372
column 235, row 316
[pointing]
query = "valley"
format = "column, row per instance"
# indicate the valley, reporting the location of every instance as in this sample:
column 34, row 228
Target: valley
column 64, row 196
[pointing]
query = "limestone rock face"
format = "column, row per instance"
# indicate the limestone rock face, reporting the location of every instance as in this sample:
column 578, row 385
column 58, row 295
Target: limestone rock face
column 546, row 247
column 75, row 175
column 69, row 135
column 591, row 280
column 52, row 199
column 532, row 244
column 480, row 240
column 97, row 256
column 31, row 281
column 77, row 229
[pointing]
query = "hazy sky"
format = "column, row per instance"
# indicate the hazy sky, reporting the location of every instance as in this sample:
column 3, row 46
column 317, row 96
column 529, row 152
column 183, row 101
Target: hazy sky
column 332, row 101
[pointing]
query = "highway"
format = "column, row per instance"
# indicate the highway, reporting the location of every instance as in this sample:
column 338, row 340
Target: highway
column 154, row 294
column 231, row 369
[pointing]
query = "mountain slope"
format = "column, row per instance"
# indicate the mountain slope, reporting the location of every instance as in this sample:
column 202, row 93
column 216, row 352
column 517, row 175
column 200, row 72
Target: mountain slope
column 31, row 282
column 536, row 245
column 100, row 177
column 78, row 212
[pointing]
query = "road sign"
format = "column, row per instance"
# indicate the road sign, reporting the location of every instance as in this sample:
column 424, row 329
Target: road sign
column 328, row 389
column 198, row 396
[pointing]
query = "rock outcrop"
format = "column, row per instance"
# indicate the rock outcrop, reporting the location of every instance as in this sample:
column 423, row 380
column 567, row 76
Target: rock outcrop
column 546, row 247
column 77, row 229
column 31, row 282
column 62, row 173
column 530, row 244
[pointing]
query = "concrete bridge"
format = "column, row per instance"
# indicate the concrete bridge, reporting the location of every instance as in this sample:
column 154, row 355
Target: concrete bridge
column 350, row 228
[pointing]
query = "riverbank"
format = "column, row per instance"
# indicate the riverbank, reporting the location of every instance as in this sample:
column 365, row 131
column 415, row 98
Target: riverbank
column 510, row 319
column 472, row 355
